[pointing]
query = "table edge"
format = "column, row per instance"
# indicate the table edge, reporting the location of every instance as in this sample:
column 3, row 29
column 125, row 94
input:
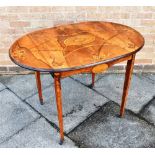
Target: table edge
column 77, row 67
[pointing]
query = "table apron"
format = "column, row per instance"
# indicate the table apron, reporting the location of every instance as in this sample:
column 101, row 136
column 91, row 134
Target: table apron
column 95, row 69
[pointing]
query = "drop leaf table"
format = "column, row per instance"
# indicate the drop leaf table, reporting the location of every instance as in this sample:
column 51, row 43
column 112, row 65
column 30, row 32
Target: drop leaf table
column 85, row 47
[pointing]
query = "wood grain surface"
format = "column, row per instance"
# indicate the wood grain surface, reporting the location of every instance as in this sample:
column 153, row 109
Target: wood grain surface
column 75, row 46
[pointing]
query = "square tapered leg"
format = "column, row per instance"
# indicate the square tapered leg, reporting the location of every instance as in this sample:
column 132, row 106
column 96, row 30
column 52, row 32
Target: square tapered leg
column 57, row 84
column 128, row 74
column 93, row 79
column 38, row 81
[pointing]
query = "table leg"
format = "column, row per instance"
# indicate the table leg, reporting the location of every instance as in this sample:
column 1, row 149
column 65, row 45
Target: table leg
column 128, row 74
column 93, row 79
column 59, row 105
column 38, row 81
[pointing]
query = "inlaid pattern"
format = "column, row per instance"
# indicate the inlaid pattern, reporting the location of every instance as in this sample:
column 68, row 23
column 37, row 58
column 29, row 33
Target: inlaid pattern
column 75, row 46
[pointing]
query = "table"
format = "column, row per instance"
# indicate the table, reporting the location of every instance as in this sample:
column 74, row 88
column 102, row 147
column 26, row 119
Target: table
column 86, row 47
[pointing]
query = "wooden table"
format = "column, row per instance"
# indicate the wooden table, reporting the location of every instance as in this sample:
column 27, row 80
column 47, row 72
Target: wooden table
column 86, row 47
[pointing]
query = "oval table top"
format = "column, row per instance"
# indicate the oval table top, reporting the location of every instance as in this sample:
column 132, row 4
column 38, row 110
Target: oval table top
column 75, row 46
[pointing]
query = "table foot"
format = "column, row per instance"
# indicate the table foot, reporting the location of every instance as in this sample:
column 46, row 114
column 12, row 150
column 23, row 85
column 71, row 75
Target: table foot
column 61, row 141
column 120, row 116
column 90, row 86
column 41, row 102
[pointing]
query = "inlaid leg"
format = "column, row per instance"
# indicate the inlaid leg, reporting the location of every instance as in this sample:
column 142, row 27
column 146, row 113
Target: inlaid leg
column 128, row 74
column 59, row 105
column 93, row 79
column 38, row 81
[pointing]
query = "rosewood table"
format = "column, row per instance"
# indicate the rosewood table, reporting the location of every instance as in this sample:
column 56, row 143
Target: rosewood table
column 86, row 47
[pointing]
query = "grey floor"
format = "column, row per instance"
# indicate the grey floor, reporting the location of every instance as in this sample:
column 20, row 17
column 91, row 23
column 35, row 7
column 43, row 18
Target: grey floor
column 91, row 115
